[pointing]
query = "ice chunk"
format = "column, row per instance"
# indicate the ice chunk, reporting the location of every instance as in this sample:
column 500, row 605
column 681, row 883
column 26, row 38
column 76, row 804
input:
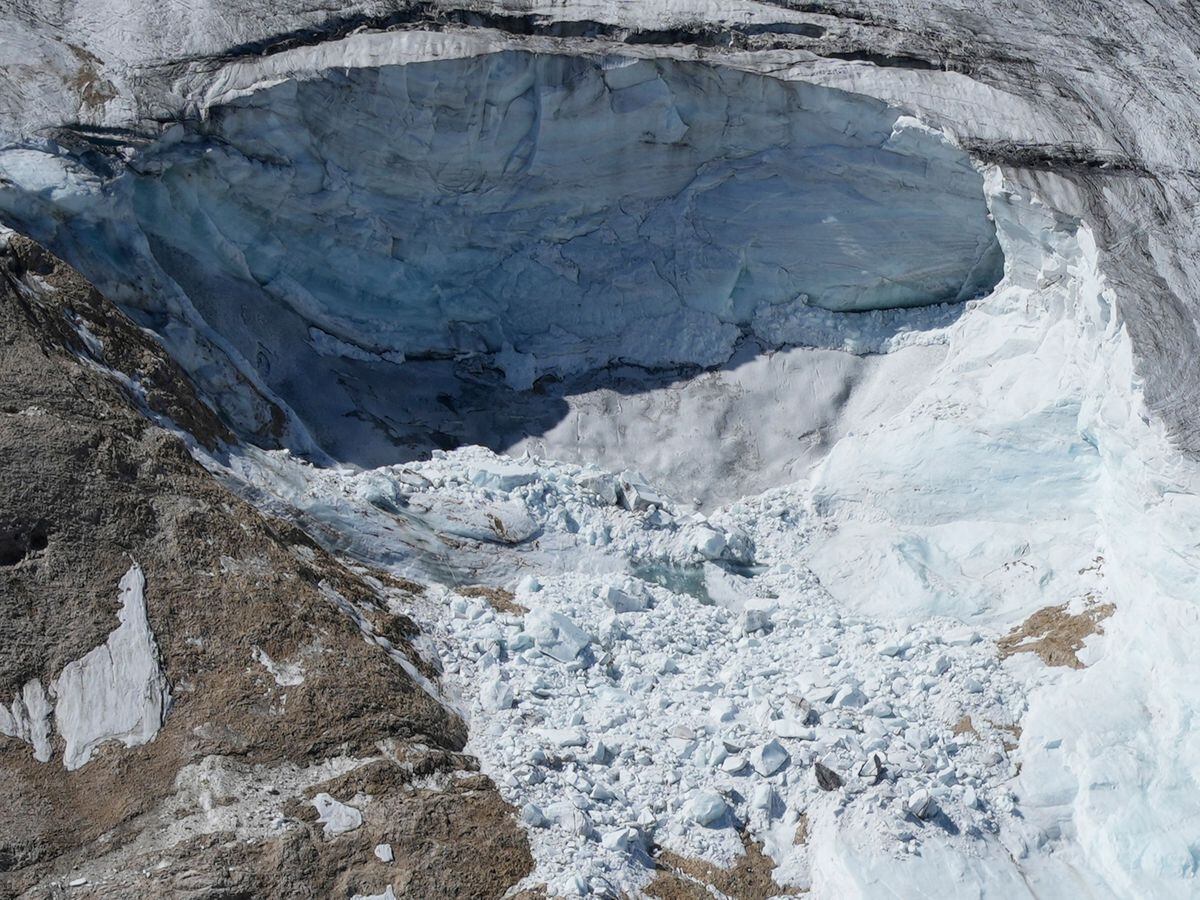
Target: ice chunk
column 602, row 484
column 636, row 495
column 725, row 589
column 709, row 542
column 705, row 808
column 502, row 474
column 532, row 815
column 619, row 839
column 733, row 764
column 873, row 769
column 755, row 620
column 922, row 804
column 570, row 817
column 602, row 793
column 565, row 737
column 497, row 693
column 764, row 799
column 723, row 710
column 556, row 635
column 849, row 696
column 769, row 758
column 629, row 599
column 791, row 728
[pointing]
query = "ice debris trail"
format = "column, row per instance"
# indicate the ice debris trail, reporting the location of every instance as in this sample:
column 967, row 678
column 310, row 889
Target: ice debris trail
column 836, row 669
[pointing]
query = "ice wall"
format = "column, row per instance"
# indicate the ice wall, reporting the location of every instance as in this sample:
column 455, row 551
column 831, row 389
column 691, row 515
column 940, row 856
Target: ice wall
column 386, row 253
column 559, row 212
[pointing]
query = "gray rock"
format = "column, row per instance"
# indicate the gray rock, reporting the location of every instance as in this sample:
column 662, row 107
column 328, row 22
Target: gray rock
column 827, row 779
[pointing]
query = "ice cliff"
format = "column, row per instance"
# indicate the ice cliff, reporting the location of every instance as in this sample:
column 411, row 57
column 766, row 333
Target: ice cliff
column 548, row 214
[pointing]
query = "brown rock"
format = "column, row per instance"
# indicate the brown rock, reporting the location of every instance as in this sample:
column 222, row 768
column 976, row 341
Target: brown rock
column 89, row 484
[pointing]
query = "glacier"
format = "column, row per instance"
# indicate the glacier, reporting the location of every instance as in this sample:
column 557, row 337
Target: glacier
column 809, row 372
column 572, row 210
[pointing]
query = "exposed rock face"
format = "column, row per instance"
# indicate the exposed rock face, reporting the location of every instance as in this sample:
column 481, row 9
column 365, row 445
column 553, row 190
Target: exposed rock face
column 89, row 483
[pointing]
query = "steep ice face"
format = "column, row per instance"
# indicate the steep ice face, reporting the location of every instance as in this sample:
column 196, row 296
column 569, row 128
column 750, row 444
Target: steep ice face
column 524, row 214
column 560, row 212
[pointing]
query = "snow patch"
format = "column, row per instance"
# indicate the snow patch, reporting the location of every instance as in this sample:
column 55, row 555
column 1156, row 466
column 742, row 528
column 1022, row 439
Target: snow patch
column 337, row 817
column 116, row 692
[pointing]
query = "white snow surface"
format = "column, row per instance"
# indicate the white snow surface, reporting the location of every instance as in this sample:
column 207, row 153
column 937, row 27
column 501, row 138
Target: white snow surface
column 118, row 690
column 28, row 719
column 337, row 817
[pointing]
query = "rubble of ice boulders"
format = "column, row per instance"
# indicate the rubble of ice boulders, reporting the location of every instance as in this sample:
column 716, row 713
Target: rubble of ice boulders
column 720, row 693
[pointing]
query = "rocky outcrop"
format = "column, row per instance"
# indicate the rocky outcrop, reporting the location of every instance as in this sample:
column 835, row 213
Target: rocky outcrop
column 94, row 427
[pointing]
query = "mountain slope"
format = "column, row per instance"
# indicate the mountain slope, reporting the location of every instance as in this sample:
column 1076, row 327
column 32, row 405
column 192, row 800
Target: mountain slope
column 215, row 803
